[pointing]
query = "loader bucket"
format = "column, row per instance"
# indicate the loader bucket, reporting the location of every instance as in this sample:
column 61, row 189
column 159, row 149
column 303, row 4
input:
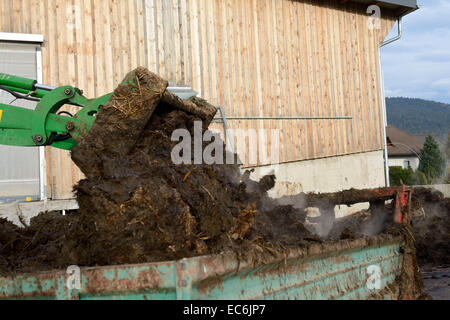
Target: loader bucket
column 194, row 106
column 121, row 121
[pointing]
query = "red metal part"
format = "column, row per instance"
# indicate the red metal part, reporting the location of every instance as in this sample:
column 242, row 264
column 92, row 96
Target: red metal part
column 401, row 197
column 402, row 205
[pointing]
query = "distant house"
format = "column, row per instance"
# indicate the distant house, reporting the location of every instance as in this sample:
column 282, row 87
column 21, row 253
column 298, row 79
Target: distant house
column 403, row 148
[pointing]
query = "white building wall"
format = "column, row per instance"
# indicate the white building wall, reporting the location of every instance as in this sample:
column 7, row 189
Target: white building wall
column 360, row 171
column 399, row 162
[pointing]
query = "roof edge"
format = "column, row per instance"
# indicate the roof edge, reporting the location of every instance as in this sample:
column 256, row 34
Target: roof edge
column 400, row 7
column 412, row 4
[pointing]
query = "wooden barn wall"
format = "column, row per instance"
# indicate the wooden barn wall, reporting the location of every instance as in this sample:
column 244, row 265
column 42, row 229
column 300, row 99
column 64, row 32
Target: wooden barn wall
column 253, row 57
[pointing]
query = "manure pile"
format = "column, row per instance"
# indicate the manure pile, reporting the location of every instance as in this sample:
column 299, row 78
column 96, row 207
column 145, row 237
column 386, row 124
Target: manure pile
column 137, row 206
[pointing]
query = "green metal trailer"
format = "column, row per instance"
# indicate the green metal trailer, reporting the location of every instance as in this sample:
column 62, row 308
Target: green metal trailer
column 336, row 270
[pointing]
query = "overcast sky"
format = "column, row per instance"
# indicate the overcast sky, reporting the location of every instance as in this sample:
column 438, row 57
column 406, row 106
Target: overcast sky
column 418, row 65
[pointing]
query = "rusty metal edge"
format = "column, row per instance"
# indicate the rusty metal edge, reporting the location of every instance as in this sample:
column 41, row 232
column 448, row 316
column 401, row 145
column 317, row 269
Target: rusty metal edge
column 188, row 271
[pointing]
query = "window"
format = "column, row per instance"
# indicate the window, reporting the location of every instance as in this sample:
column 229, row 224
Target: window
column 406, row 164
column 20, row 172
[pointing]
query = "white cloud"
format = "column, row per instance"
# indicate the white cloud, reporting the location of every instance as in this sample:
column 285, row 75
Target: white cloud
column 441, row 83
column 418, row 65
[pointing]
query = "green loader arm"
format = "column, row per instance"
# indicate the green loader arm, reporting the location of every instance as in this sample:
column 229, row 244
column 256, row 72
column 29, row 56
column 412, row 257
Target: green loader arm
column 43, row 125
column 47, row 126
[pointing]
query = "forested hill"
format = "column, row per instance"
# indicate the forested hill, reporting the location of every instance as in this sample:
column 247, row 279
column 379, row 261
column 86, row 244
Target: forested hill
column 418, row 116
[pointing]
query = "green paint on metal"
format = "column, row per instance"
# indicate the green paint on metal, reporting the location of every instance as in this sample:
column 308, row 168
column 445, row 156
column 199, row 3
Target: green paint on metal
column 61, row 290
column 164, row 269
column 321, row 277
column 29, row 285
column 109, row 274
column 335, row 275
column 18, row 82
column 40, row 127
column 47, row 285
column 162, row 294
column 128, row 274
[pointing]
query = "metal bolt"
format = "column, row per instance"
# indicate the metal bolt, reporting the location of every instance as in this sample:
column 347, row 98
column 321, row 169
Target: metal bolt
column 38, row 139
column 68, row 92
column 70, row 126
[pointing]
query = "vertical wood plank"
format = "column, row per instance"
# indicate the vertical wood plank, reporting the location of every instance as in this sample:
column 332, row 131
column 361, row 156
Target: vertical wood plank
column 321, row 70
column 160, row 36
column 350, row 92
column 79, row 65
column 16, row 13
column 141, row 41
column 211, row 51
column 63, row 173
column 333, row 141
column 234, row 94
column 4, row 16
column 225, row 57
column 151, row 35
column 50, row 76
column 252, row 37
column 278, row 90
column 246, row 89
column 237, row 83
column 316, row 100
column 110, row 73
column 375, row 88
column 185, row 43
column 339, row 103
column 35, row 19
column 378, row 95
column 133, row 49
column 176, row 39
column 237, row 65
column 43, row 27
column 274, row 74
column 297, row 128
column 346, row 107
column 118, row 71
column 357, row 78
column 304, row 87
column 368, row 90
column 195, row 39
column 205, row 72
column 219, row 38
column 292, row 128
column 89, row 48
column 362, row 79
column 71, row 14
column 99, row 59
column 26, row 16
column 125, row 44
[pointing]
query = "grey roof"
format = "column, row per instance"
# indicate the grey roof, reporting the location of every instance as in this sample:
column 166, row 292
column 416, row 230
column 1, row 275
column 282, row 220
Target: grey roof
column 403, row 3
column 401, row 143
column 421, row 138
column 402, row 7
